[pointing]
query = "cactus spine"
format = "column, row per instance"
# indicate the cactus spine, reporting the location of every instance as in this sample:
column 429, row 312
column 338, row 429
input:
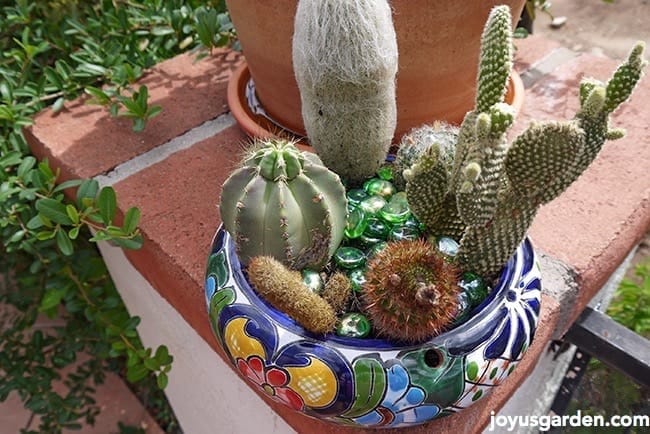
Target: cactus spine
column 286, row 204
column 493, row 192
column 411, row 291
column 345, row 61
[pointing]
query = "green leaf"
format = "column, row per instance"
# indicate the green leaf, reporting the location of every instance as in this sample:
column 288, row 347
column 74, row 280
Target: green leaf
column 64, row 243
column 136, row 372
column 87, row 190
column 51, row 299
column 58, row 104
column 10, row 159
column 130, row 243
column 131, row 220
column 53, row 210
column 107, row 204
column 162, row 380
column 35, row 223
column 74, row 233
column 72, row 213
column 68, row 184
column 25, row 166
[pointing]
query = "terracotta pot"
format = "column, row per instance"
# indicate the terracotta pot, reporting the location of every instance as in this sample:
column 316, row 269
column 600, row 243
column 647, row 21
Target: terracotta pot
column 372, row 382
column 438, row 43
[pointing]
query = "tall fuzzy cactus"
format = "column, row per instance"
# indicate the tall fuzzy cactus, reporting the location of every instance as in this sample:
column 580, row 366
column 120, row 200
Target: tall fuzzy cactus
column 284, row 203
column 345, row 61
column 491, row 195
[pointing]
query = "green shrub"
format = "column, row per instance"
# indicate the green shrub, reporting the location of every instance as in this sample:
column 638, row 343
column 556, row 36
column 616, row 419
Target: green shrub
column 51, row 52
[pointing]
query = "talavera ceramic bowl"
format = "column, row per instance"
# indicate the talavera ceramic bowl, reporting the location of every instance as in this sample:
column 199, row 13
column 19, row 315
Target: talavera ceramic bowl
column 372, row 382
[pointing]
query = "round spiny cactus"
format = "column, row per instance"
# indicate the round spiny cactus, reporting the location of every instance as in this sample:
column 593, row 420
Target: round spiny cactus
column 286, row 204
column 411, row 291
column 418, row 141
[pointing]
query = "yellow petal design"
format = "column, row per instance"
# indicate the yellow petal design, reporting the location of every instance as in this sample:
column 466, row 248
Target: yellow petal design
column 315, row 383
column 240, row 344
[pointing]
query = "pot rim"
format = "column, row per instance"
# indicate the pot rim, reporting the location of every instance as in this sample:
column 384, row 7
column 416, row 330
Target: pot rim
column 260, row 126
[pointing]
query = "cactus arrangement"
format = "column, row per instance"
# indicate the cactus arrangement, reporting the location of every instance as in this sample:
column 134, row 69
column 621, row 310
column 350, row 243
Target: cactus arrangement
column 469, row 195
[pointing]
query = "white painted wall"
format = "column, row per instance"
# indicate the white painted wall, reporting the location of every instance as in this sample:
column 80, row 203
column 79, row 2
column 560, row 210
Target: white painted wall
column 206, row 395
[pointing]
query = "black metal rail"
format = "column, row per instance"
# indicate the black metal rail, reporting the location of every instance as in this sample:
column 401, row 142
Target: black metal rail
column 616, row 346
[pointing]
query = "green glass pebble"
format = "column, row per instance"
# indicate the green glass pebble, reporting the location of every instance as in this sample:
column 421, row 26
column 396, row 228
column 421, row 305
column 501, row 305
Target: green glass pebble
column 356, row 223
column 376, row 248
column 464, row 308
column 357, row 278
column 356, row 196
column 368, row 241
column 371, row 205
column 399, row 233
column 379, row 187
column 395, row 211
column 447, row 246
column 376, row 228
column 313, row 280
column 354, row 325
column 349, row 257
column 385, row 173
column 413, row 222
column 475, row 288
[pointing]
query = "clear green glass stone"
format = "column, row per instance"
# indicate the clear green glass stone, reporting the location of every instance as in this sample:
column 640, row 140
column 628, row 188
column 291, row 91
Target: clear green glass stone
column 357, row 278
column 395, row 211
column 399, row 233
column 354, row 325
column 355, row 223
column 313, row 280
column 356, row 196
column 367, row 241
column 380, row 187
column 349, row 257
column 385, row 173
column 413, row 222
column 464, row 308
column 376, row 228
column 376, row 248
column 447, row 246
column 475, row 288
column 371, row 205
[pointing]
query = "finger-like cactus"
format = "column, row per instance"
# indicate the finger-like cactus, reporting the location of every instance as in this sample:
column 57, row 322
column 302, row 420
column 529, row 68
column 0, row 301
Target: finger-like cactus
column 286, row 204
column 533, row 165
column 543, row 161
column 345, row 60
column 286, row 291
column 493, row 191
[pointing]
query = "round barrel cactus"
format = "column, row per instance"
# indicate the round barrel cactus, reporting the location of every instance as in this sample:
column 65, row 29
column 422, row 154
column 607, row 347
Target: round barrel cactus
column 284, row 203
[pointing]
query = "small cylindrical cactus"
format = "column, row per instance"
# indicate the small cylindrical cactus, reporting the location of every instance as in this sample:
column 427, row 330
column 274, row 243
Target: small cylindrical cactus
column 284, row 203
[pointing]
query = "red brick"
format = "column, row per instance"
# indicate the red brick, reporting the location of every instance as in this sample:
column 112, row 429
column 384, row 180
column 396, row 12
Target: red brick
column 531, row 50
column 84, row 140
column 595, row 223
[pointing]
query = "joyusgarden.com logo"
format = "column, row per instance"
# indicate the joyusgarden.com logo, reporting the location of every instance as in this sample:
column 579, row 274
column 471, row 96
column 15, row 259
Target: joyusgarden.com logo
column 545, row 422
